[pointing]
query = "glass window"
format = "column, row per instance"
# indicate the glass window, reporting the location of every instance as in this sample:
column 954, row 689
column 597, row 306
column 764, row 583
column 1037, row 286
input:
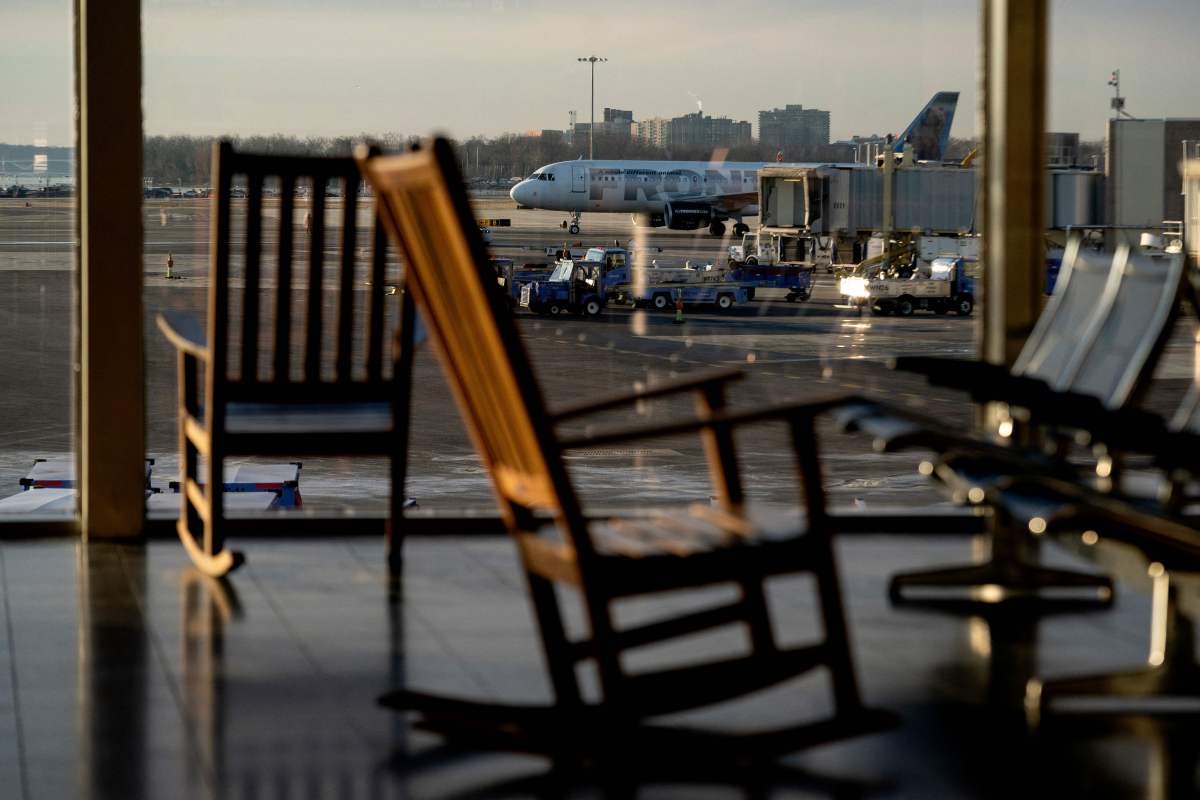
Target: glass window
column 38, row 249
column 772, row 305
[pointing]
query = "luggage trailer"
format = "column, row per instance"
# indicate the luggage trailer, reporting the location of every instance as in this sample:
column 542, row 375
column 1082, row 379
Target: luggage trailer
column 50, row 486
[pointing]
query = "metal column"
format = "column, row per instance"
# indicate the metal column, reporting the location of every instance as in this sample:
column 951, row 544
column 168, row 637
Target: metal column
column 1013, row 103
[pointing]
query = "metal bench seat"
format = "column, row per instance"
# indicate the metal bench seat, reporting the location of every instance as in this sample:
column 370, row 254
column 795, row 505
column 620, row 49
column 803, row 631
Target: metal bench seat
column 1091, row 353
column 1078, row 379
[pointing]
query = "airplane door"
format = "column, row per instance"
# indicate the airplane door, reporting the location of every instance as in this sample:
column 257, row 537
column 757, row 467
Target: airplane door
column 578, row 179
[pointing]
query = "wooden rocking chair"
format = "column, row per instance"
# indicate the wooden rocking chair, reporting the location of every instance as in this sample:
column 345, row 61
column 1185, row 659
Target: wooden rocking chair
column 320, row 390
column 426, row 212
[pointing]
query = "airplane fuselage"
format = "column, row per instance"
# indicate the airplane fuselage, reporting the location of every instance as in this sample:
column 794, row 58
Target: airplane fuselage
column 638, row 187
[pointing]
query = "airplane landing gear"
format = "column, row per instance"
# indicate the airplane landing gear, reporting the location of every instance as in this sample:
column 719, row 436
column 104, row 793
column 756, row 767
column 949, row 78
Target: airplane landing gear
column 717, row 228
column 741, row 229
column 572, row 225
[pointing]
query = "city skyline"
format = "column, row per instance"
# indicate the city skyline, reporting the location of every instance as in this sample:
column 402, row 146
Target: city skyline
column 209, row 69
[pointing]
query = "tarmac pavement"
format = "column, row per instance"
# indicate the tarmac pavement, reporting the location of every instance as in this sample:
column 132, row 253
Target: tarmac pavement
column 789, row 351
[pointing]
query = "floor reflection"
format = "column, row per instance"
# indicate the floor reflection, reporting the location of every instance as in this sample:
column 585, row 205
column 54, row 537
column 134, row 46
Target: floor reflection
column 114, row 671
column 128, row 675
column 208, row 605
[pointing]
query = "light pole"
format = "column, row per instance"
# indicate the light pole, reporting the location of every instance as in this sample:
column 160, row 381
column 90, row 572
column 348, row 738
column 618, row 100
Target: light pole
column 592, row 128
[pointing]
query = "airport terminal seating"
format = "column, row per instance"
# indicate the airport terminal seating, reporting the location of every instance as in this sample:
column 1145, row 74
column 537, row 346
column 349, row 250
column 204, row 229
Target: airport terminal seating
column 1152, row 511
column 427, row 213
column 274, row 371
column 1091, row 352
column 1078, row 378
column 1139, row 489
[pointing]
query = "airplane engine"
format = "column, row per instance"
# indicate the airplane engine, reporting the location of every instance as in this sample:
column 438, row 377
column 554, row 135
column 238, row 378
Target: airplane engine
column 687, row 216
column 648, row 220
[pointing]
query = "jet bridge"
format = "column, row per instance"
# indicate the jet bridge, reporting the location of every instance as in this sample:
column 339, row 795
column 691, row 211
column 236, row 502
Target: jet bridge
column 853, row 201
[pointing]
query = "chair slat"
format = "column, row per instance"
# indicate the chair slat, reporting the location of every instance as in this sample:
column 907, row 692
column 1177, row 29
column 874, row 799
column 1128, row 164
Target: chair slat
column 283, row 290
column 316, row 264
column 375, row 305
column 250, row 292
column 345, row 321
column 218, row 286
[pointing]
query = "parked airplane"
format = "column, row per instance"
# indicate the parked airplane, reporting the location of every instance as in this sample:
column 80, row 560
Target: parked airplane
column 687, row 195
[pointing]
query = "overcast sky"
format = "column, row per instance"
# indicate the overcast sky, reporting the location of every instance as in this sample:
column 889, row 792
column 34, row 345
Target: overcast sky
column 492, row 66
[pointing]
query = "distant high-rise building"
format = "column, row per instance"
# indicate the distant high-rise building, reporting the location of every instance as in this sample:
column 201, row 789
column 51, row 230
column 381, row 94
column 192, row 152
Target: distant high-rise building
column 618, row 116
column 697, row 130
column 793, row 125
column 655, row 131
column 617, row 123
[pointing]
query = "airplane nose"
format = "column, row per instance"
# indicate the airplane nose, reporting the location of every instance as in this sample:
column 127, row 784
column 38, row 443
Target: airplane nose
column 520, row 193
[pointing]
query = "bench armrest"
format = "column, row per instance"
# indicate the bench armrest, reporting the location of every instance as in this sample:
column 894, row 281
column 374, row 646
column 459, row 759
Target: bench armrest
column 723, row 419
column 185, row 332
column 984, row 381
column 1171, row 540
column 951, row 371
column 685, row 383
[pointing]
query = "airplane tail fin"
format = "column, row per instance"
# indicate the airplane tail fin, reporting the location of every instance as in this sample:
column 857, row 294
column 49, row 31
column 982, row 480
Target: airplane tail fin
column 929, row 131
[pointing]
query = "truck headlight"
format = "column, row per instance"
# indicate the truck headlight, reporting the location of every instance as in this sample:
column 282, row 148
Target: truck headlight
column 853, row 287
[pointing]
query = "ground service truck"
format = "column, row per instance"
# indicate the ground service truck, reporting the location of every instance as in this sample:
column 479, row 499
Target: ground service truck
column 941, row 286
column 574, row 287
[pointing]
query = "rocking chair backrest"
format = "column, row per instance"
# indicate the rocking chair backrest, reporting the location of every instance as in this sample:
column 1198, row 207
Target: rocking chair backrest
column 288, row 329
column 427, row 213
column 1138, row 311
column 1069, row 315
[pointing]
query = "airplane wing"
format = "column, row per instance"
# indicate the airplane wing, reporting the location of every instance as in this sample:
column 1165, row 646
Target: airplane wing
column 723, row 202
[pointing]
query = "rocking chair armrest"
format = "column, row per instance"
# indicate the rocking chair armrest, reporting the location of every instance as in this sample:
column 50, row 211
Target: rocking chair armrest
column 685, row 383
column 729, row 419
column 185, row 332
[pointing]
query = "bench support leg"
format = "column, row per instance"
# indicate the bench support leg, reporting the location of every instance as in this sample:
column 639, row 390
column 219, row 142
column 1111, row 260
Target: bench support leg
column 1007, row 575
column 1168, row 686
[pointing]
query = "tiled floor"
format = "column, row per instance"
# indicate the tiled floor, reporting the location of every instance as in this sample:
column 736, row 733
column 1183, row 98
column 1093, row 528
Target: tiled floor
column 125, row 674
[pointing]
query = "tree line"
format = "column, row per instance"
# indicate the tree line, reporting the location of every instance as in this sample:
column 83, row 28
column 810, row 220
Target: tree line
column 187, row 160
